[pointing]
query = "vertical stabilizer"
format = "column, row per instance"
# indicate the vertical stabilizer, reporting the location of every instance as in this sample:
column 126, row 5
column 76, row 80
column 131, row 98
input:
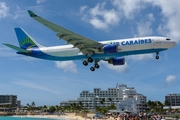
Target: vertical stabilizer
column 25, row 40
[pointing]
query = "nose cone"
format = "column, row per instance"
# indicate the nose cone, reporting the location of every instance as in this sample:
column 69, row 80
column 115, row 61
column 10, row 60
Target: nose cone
column 173, row 43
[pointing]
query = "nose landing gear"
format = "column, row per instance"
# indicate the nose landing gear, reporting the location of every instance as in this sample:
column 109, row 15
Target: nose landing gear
column 157, row 55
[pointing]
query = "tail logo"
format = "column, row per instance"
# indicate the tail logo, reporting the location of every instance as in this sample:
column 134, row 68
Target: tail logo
column 27, row 43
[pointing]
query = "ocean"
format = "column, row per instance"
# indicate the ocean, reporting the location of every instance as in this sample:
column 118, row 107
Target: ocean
column 27, row 118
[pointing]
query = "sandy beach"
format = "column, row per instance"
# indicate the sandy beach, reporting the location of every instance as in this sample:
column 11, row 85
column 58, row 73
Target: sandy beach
column 68, row 116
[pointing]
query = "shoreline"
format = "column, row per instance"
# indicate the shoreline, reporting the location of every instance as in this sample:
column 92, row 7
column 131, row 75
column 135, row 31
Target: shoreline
column 65, row 117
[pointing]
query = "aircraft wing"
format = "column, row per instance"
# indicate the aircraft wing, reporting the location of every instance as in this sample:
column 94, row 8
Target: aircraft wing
column 85, row 45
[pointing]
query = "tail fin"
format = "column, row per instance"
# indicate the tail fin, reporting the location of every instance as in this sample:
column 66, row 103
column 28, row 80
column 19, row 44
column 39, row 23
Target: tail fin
column 25, row 40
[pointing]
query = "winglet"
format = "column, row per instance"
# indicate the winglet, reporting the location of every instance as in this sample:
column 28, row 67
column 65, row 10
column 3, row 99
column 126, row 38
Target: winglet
column 32, row 14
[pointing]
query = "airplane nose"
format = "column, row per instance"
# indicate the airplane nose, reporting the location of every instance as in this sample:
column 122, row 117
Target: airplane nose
column 173, row 43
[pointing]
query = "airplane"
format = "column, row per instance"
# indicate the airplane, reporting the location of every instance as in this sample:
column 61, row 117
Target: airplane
column 89, row 51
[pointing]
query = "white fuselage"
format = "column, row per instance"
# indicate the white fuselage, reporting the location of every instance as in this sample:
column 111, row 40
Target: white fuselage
column 130, row 46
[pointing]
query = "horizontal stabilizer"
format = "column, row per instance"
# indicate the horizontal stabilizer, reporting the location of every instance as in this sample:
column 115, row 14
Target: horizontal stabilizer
column 17, row 48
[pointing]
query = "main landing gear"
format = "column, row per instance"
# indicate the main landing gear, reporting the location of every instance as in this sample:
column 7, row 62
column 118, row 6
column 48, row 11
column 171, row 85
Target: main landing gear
column 95, row 66
column 90, row 60
column 157, row 55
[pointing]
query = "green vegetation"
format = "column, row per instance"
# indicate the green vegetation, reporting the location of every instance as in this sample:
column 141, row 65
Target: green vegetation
column 155, row 106
column 52, row 109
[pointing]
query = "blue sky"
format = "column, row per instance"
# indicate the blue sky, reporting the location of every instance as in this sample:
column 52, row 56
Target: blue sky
column 49, row 82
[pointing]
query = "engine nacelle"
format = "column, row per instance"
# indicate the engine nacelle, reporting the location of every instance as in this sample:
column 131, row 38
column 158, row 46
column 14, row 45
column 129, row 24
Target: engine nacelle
column 110, row 48
column 117, row 61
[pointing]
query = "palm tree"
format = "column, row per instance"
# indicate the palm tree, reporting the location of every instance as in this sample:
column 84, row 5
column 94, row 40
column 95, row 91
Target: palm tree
column 167, row 103
column 10, row 107
column 28, row 104
column 149, row 104
column 67, row 107
column 112, row 107
column 57, row 108
column 28, row 107
column 73, row 106
column 158, row 106
column 102, row 101
column 44, row 108
column 87, row 105
column 61, row 109
column 110, row 99
column 80, row 105
column 33, row 105
column 155, row 105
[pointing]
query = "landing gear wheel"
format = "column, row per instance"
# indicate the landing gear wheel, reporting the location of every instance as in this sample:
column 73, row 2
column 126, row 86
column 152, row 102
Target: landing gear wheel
column 96, row 66
column 92, row 69
column 90, row 59
column 157, row 57
column 85, row 63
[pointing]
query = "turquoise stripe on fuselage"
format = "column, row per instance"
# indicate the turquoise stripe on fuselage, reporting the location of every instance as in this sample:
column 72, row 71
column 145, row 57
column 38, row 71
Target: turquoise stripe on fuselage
column 39, row 54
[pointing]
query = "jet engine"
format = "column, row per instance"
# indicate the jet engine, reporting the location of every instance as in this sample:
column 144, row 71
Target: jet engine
column 117, row 61
column 110, row 48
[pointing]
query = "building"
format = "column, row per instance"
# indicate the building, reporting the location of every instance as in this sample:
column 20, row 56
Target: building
column 125, row 98
column 172, row 102
column 8, row 100
column 18, row 104
column 173, row 99
column 132, row 101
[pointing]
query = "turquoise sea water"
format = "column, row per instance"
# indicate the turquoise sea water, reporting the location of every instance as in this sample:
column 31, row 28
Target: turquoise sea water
column 27, row 118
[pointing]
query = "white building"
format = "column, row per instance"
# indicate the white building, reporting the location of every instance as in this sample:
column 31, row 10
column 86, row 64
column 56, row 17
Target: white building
column 123, row 97
column 132, row 101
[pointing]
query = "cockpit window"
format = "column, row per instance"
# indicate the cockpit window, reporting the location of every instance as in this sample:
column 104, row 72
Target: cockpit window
column 168, row 39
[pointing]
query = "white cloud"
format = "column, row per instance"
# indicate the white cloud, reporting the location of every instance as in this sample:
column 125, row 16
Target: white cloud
column 170, row 78
column 98, row 23
column 151, row 17
column 129, row 7
column 83, row 8
column 120, row 68
column 100, row 17
column 34, row 86
column 4, row 9
column 144, row 29
column 40, row 1
column 66, row 66
column 141, row 57
column 171, row 17
column 162, row 29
